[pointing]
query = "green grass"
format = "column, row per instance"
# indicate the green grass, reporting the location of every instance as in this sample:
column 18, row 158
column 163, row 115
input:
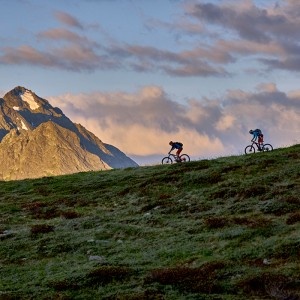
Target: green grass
column 226, row 228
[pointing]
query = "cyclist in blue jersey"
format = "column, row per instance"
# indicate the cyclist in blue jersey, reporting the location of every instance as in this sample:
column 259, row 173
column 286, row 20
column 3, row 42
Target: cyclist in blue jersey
column 178, row 146
column 257, row 134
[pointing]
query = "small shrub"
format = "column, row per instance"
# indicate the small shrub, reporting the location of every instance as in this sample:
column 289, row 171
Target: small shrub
column 144, row 295
column 291, row 199
column 294, row 155
column 65, row 284
column 49, row 213
column 229, row 168
column 124, row 192
column 252, row 191
column 164, row 196
column 214, row 177
column 197, row 280
column 202, row 165
column 275, row 285
column 153, row 204
column 216, row 222
column 223, row 193
column 293, row 218
column 39, row 210
column 252, row 222
column 43, row 190
column 287, row 250
column 71, row 202
column 33, row 206
column 107, row 274
column 210, row 177
column 70, row 214
column 267, row 163
column 277, row 207
column 41, row 228
column 205, row 177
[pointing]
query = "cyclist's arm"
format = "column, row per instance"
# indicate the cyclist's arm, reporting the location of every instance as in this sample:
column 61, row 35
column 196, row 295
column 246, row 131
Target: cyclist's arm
column 171, row 150
column 254, row 137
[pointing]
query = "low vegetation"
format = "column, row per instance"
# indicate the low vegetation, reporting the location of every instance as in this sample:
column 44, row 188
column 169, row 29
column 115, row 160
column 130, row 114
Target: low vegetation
column 226, row 228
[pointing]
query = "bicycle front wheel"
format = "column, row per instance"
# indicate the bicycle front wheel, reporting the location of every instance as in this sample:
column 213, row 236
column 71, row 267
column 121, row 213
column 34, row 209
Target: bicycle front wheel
column 185, row 158
column 167, row 160
column 267, row 147
column 249, row 149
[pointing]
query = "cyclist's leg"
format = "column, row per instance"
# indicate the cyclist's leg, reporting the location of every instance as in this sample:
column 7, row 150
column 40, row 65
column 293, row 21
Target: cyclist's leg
column 260, row 141
column 178, row 153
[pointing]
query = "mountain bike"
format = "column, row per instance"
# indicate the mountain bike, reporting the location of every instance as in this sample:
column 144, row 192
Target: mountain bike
column 173, row 158
column 260, row 147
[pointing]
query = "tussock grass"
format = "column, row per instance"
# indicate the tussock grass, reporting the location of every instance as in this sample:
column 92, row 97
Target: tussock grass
column 226, row 228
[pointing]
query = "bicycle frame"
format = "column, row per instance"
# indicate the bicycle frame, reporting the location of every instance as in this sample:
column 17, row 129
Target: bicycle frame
column 173, row 156
column 258, row 146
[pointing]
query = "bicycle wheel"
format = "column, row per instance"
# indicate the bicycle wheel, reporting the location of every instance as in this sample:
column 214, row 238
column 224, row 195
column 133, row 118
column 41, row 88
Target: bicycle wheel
column 249, row 149
column 185, row 158
column 267, row 147
column 167, row 160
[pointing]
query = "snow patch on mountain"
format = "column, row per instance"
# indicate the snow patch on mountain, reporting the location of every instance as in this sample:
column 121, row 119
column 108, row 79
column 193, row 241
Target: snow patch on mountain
column 28, row 97
column 23, row 125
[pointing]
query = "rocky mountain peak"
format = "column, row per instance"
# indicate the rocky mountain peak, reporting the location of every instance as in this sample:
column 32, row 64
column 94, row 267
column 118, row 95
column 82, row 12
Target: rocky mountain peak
column 22, row 99
column 29, row 124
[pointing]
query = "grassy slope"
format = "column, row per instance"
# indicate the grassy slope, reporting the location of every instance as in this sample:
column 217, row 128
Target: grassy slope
column 226, row 228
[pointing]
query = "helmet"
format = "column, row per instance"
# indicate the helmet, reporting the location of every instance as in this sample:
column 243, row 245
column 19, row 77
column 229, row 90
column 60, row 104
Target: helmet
column 251, row 131
column 171, row 143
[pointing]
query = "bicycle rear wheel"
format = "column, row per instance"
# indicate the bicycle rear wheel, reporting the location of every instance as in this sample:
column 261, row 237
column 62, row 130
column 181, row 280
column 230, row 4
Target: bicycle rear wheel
column 249, row 149
column 267, row 147
column 167, row 160
column 185, row 158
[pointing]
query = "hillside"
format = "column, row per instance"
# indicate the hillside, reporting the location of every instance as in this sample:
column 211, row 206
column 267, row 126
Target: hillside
column 226, row 228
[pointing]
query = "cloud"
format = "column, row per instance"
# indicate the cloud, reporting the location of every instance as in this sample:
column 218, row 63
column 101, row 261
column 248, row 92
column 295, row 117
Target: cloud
column 224, row 33
column 142, row 123
column 249, row 21
column 269, row 87
column 68, row 19
column 62, row 34
column 25, row 55
column 271, row 33
column 183, row 64
column 79, row 53
column 69, row 57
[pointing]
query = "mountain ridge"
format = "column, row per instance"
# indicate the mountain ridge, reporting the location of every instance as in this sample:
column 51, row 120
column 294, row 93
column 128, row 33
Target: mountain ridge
column 23, row 116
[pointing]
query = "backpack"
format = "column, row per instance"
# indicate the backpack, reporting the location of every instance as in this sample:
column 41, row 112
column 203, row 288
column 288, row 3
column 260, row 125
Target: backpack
column 258, row 131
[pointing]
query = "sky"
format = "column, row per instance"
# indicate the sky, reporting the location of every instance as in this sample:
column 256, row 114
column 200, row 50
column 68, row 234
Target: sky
column 139, row 73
